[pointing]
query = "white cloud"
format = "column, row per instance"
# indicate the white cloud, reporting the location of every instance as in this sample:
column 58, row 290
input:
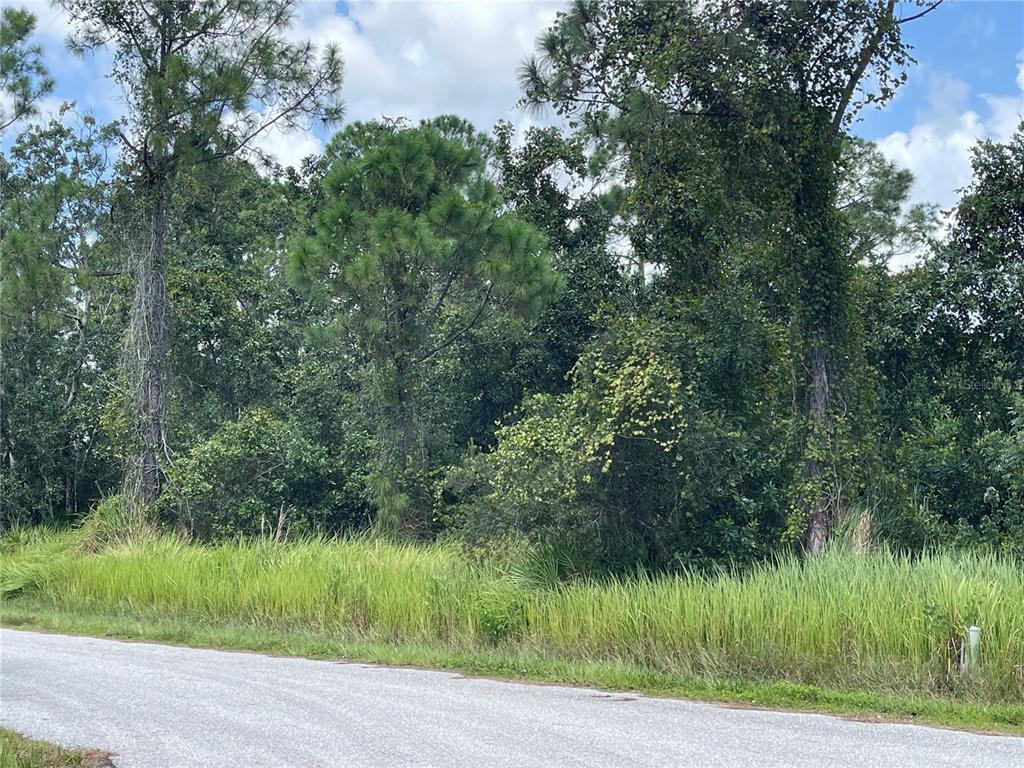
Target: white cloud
column 410, row 59
column 288, row 147
column 417, row 60
column 937, row 148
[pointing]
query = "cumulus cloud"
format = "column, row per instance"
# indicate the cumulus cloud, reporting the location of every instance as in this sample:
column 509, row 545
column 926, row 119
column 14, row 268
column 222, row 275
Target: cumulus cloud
column 937, row 148
column 414, row 60
column 426, row 58
column 417, row 60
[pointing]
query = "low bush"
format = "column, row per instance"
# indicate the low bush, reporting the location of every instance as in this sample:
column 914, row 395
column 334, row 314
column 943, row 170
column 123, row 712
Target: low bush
column 501, row 611
column 262, row 475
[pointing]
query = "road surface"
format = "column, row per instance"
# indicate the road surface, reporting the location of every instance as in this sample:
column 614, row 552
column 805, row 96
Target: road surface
column 157, row 706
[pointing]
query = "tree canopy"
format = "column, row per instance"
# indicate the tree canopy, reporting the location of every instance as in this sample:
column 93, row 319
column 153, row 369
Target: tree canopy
column 695, row 324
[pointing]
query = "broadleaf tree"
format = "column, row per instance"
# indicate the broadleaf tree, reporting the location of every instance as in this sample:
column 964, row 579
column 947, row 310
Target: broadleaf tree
column 746, row 104
column 58, row 318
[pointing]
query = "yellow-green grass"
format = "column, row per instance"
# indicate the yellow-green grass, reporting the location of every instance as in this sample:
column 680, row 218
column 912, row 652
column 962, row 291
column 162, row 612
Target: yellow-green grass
column 876, row 625
column 16, row 751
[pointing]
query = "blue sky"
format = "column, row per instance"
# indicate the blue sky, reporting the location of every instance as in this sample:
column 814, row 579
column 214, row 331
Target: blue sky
column 968, row 84
column 974, row 41
column 422, row 58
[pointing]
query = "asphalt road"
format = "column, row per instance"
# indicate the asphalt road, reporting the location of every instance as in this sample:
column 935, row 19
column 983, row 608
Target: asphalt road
column 156, row 706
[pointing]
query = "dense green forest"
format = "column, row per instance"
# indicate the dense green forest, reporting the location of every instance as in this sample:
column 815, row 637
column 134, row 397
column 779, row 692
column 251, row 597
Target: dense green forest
column 665, row 335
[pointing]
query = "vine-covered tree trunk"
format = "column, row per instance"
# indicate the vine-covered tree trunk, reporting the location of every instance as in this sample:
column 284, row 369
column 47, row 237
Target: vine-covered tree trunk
column 201, row 82
column 822, row 276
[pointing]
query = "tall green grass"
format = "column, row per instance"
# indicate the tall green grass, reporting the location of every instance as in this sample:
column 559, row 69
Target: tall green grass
column 876, row 621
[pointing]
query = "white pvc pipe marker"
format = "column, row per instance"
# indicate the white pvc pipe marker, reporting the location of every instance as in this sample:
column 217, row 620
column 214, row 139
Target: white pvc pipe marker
column 969, row 650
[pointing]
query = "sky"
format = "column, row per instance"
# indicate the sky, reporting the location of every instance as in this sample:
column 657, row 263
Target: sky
column 418, row 59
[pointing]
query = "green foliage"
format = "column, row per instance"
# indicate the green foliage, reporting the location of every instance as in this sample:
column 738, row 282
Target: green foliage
column 237, row 327
column 259, row 475
column 731, row 117
column 546, row 177
column 1002, row 525
column 668, row 451
column 409, row 218
column 501, row 611
column 16, row 751
column 720, row 107
column 946, row 338
column 201, row 82
column 113, row 523
column 206, row 78
column 30, row 557
column 668, row 339
column 23, row 76
column 412, row 244
column 544, row 567
column 59, row 322
column 876, row 621
column 873, row 193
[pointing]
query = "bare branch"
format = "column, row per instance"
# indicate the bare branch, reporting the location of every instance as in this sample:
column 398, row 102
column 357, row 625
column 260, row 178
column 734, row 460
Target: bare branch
column 928, row 9
column 461, row 332
column 866, row 53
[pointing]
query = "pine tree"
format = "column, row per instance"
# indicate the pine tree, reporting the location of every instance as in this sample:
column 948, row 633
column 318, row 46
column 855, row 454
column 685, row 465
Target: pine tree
column 23, row 76
column 414, row 248
column 201, row 81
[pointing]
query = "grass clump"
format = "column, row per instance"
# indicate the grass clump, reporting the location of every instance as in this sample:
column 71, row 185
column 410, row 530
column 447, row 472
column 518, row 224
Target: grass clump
column 16, row 751
column 878, row 622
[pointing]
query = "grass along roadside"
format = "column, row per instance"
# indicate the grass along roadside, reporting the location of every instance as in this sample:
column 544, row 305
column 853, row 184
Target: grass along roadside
column 864, row 635
column 505, row 663
column 17, row 751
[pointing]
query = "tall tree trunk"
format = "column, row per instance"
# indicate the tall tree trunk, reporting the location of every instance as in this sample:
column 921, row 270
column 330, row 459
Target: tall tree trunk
column 401, row 448
column 819, row 428
column 407, row 441
column 70, row 501
column 74, row 387
column 146, row 353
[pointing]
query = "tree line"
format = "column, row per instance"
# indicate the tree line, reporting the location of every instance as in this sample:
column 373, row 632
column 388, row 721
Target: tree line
column 667, row 334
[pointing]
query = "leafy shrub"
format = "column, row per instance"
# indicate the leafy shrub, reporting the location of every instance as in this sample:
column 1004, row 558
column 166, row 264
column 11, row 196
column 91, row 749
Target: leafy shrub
column 1004, row 525
column 545, row 568
column 501, row 611
column 16, row 509
column 949, row 487
column 655, row 456
column 260, row 475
